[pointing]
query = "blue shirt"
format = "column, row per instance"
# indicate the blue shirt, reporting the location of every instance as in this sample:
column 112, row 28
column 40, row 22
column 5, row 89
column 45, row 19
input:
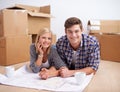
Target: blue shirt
column 87, row 55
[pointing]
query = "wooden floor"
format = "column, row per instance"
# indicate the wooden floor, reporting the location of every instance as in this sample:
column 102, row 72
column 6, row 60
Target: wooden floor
column 106, row 79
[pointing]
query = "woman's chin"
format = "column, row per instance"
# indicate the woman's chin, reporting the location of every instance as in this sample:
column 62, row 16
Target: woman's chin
column 45, row 46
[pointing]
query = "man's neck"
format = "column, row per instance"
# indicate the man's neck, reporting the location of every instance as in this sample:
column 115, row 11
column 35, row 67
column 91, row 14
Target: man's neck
column 75, row 46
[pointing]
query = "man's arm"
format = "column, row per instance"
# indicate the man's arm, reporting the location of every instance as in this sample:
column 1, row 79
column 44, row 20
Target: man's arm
column 65, row 72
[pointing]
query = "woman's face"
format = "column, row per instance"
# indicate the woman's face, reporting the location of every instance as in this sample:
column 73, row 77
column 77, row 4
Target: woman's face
column 45, row 40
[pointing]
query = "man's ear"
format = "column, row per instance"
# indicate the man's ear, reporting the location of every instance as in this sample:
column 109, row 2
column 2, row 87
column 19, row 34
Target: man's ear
column 65, row 31
column 82, row 30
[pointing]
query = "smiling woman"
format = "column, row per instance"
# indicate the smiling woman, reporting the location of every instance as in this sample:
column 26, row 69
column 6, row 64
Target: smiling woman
column 43, row 55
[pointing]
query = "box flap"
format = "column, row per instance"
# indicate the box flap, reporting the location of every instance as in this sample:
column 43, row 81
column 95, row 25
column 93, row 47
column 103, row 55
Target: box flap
column 36, row 14
column 45, row 9
column 18, row 8
column 94, row 22
column 27, row 7
column 94, row 28
column 36, row 11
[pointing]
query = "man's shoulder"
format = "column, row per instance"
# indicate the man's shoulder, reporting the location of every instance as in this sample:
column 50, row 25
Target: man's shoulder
column 62, row 41
column 62, row 38
column 89, row 38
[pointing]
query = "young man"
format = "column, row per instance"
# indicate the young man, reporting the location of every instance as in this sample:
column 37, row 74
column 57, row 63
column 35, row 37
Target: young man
column 80, row 52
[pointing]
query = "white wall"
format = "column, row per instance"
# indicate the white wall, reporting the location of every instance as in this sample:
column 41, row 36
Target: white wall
column 84, row 9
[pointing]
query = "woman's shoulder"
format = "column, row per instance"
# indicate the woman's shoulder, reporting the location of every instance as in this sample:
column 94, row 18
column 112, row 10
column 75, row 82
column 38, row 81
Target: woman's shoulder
column 32, row 46
column 53, row 48
column 53, row 51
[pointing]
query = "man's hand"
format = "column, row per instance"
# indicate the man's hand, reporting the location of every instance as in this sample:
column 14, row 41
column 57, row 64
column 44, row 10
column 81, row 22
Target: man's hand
column 65, row 72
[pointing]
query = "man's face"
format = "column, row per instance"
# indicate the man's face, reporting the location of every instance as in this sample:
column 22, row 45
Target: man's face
column 74, row 35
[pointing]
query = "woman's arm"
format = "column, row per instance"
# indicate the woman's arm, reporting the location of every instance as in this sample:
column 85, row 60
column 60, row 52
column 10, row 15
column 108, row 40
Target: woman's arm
column 47, row 73
column 33, row 57
column 55, row 64
column 55, row 59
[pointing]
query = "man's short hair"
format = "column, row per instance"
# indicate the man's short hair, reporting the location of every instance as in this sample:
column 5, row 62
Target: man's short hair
column 73, row 21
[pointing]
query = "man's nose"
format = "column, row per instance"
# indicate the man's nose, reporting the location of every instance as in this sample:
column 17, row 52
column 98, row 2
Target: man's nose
column 73, row 34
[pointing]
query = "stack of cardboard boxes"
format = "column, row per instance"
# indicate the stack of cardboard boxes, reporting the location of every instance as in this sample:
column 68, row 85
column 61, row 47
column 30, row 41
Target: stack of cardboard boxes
column 19, row 26
column 14, row 38
column 38, row 17
column 108, row 34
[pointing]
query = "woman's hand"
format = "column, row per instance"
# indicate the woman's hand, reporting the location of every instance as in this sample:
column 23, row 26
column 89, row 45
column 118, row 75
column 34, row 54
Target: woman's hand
column 39, row 46
column 44, row 73
column 47, row 73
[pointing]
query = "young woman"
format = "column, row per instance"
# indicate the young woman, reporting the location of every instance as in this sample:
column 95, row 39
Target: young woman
column 43, row 55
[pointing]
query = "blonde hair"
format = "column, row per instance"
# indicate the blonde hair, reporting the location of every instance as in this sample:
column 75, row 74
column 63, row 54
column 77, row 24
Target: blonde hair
column 41, row 32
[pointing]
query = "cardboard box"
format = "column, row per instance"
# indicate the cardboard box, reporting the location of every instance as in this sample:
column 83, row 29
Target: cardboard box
column 42, row 9
column 110, row 26
column 38, row 17
column 109, row 46
column 54, row 39
column 105, row 26
column 13, row 21
column 14, row 49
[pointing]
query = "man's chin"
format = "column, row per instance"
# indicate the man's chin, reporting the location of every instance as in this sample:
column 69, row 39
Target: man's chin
column 74, row 43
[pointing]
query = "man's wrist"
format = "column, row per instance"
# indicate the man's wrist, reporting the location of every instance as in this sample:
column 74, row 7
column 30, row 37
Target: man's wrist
column 54, row 72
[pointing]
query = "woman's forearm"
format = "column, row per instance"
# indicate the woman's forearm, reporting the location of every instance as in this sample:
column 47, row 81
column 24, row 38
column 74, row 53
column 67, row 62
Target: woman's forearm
column 39, row 61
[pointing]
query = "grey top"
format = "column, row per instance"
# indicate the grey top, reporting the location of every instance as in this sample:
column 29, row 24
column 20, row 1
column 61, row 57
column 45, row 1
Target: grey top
column 53, row 58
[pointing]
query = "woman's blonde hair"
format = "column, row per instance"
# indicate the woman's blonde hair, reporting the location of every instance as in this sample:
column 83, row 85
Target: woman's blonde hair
column 41, row 32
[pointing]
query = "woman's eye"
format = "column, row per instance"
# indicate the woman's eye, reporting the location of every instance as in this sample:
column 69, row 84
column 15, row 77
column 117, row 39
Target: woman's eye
column 43, row 37
column 49, row 38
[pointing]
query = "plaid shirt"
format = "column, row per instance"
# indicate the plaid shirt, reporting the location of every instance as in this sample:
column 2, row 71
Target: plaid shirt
column 87, row 55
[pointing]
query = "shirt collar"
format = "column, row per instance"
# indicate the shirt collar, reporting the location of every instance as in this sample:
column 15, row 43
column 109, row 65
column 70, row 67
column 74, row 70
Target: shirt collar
column 81, row 43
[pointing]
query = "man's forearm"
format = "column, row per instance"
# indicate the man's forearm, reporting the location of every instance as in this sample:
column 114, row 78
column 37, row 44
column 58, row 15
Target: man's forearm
column 53, row 72
column 87, row 70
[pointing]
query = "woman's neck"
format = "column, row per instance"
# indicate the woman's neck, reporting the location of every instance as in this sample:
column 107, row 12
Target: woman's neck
column 45, row 50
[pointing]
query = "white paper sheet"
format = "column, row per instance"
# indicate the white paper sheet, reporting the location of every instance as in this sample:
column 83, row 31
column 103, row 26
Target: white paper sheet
column 25, row 78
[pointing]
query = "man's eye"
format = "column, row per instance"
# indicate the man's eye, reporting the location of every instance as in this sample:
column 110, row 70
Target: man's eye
column 76, row 31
